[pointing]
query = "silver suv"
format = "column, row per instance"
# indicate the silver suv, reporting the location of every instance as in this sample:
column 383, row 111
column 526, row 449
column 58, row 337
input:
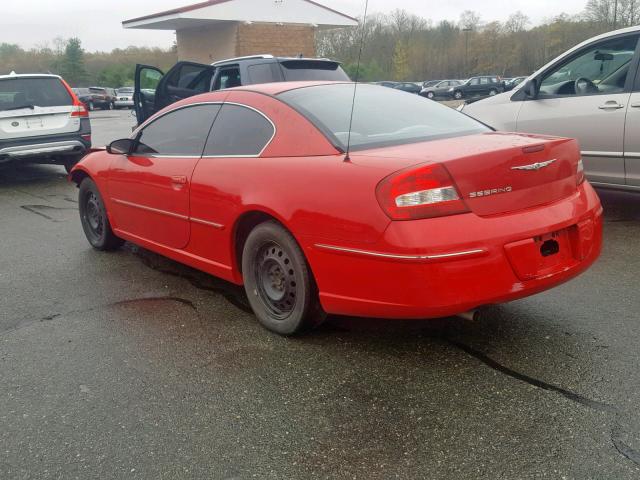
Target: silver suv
column 592, row 93
column 41, row 121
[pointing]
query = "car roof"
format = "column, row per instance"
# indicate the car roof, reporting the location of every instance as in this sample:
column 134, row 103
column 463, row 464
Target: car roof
column 280, row 87
column 29, row 75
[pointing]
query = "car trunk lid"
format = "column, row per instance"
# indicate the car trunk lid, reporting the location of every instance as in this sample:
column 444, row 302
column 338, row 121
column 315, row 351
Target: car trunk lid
column 494, row 173
column 35, row 106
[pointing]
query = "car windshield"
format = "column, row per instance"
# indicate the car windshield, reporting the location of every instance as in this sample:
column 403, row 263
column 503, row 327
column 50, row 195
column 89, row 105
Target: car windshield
column 381, row 116
column 16, row 93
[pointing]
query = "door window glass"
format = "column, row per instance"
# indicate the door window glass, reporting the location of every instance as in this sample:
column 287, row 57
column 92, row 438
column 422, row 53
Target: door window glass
column 192, row 77
column 228, row 78
column 600, row 68
column 182, row 132
column 238, row 131
column 149, row 79
column 474, row 81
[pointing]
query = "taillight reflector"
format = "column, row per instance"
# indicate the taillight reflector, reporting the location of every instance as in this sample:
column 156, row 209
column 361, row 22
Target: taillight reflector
column 427, row 191
column 580, row 172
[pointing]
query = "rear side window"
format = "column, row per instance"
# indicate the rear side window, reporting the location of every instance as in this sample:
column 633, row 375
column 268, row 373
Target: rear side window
column 182, row 132
column 302, row 70
column 263, row 73
column 239, row 132
column 37, row 92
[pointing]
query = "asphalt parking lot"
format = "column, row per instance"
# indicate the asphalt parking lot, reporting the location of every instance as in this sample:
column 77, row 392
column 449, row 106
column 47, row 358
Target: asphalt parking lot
column 128, row 365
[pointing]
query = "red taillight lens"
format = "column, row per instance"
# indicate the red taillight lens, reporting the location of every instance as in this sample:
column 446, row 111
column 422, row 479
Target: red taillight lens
column 580, row 172
column 78, row 109
column 424, row 192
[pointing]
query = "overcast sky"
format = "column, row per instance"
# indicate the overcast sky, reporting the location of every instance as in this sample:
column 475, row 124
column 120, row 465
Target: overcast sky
column 98, row 24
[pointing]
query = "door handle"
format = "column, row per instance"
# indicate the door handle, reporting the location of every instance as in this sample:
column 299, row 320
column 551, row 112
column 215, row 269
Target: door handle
column 635, row 105
column 179, row 180
column 612, row 105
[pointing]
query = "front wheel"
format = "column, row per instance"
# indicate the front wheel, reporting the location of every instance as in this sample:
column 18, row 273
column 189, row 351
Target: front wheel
column 278, row 281
column 493, row 92
column 430, row 95
column 92, row 106
column 93, row 217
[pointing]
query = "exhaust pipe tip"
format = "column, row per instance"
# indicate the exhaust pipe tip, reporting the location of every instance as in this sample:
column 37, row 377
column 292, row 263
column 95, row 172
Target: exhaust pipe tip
column 471, row 315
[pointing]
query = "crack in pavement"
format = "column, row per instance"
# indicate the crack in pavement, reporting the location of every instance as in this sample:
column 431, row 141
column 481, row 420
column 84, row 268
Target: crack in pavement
column 616, row 430
column 132, row 301
column 36, row 209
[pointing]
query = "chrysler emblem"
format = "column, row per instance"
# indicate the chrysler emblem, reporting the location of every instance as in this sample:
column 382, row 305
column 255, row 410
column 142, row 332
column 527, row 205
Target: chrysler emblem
column 15, row 124
column 534, row 166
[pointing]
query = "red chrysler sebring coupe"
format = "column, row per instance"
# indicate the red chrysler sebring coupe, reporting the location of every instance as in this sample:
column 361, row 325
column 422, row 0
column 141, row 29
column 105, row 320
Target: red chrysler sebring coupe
column 430, row 214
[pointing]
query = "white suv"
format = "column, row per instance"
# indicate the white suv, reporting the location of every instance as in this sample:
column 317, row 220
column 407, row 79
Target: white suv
column 592, row 93
column 42, row 121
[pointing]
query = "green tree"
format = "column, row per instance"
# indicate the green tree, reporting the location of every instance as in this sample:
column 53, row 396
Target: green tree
column 401, row 61
column 72, row 66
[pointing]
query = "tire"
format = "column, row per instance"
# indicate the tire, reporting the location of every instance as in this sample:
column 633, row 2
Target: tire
column 278, row 281
column 493, row 92
column 93, row 217
column 111, row 106
column 431, row 95
column 457, row 95
column 91, row 106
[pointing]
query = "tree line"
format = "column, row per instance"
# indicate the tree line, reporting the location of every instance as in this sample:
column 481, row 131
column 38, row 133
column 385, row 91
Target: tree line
column 403, row 46
column 67, row 58
column 397, row 46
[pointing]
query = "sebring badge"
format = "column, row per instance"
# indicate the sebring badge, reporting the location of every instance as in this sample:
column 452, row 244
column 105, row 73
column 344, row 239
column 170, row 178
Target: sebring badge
column 535, row 166
column 493, row 191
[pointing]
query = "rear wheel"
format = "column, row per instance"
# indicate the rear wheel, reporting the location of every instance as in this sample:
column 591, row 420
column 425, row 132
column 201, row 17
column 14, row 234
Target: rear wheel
column 93, row 216
column 278, row 281
column 457, row 95
column 493, row 92
column 70, row 162
column 91, row 106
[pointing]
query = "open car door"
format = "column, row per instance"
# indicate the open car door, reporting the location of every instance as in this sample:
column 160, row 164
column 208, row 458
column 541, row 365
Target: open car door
column 156, row 91
column 144, row 94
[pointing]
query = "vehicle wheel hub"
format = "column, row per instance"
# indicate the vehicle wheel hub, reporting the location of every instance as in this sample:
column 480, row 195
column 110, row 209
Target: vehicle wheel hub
column 276, row 280
column 93, row 214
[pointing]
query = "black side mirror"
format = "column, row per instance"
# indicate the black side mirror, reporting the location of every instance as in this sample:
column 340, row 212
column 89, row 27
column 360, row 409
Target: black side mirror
column 123, row 146
column 531, row 89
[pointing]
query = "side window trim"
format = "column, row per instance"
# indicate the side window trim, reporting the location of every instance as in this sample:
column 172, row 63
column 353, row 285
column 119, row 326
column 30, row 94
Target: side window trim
column 144, row 126
column 258, row 155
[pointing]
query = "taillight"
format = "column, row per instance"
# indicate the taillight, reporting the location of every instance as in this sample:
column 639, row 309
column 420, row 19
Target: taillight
column 423, row 192
column 78, row 109
column 580, row 172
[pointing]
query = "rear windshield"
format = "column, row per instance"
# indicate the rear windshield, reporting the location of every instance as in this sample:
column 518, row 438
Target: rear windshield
column 302, row 70
column 37, row 92
column 381, row 117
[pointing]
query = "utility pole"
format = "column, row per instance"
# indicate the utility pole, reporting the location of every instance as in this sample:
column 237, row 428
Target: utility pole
column 615, row 14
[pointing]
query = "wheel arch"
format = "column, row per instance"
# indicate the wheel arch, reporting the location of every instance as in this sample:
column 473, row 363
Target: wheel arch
column 243, row 226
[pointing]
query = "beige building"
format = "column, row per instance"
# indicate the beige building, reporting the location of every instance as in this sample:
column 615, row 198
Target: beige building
column 217, row 29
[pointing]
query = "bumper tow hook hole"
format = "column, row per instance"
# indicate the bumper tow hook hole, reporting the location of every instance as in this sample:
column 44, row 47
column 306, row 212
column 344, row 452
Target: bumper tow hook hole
column 550, row 247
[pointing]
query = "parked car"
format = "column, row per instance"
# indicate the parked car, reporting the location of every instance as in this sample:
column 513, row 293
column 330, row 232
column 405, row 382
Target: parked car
column 430, row 83
column 425, row 202
column 440, row 89
column 592, row 93
column 484, row 85
column 41, row 121
column 97, row 97
column 511, row 83
column 154, row 90
column 124, row 98
column 409, row 87
column 386, row 83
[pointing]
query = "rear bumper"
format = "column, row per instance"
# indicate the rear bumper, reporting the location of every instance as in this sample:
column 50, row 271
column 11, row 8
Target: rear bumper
column 123, row 103
column 47, row 146
column 444, row 266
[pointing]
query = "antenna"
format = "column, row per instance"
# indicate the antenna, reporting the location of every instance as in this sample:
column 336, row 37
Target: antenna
column 355, row 85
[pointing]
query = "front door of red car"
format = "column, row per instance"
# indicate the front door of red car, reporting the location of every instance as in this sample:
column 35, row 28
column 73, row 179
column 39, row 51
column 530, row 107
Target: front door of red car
column 149, row 188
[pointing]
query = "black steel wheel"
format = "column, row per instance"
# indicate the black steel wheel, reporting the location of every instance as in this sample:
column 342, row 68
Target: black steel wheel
column 278, row 281
column 93, row 217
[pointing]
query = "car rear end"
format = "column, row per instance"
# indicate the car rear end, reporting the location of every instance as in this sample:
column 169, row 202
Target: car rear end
column 124, row 98
column 478, row 226
column 41, row 120
column 475, row 217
